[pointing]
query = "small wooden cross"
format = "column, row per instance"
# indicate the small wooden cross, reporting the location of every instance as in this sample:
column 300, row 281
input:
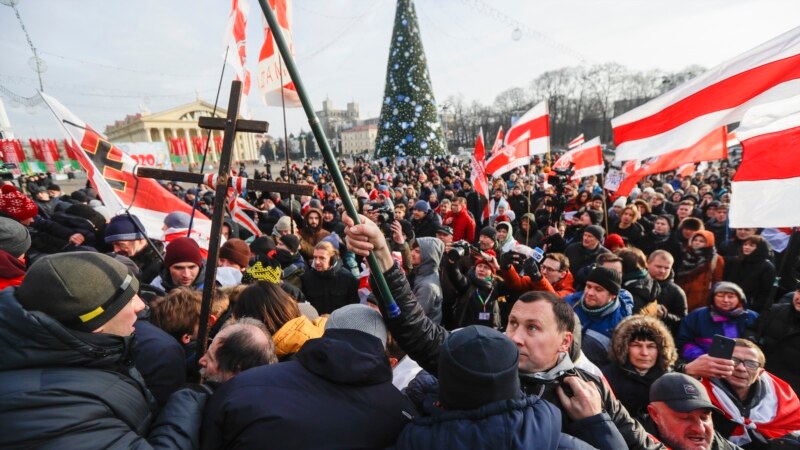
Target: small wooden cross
column 231, row 124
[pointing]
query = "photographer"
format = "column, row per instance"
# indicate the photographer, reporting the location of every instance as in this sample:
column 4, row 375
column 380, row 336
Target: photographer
column 460, row 253
column 398, row 233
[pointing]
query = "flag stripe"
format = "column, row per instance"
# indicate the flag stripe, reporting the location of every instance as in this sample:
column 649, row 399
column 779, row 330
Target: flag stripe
column 771, row 156
column 533, row 129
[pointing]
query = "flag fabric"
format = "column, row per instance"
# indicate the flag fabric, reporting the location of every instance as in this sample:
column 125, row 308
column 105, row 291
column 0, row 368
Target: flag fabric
column 270, row 65
column 577, row 142
column 767, row 183
column 778, row 238
column 498, row 142
column 478, row 173
column 234, row 40
column 587, row 159
column 532, row 130
column 508, row 158
column 712, row 147
column 11, row 152
column 720, row 96
column 110, row 172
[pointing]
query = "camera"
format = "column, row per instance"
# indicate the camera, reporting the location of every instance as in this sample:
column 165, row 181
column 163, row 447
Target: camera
column 385, row 219
column 560, row 177
column 459, row 249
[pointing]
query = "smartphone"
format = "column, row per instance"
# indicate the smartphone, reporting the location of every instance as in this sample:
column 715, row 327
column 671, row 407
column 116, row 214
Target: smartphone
column 721, row 347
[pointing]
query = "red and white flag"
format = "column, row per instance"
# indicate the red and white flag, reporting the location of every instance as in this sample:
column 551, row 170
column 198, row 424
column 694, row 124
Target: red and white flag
column 235, row 40
column 721, row 96
column 711, row 147
column 270, row 65
column 478, row 172
column 577, row 142
column 498, row 142
column 530, row 135
column 778, row 238
column 767, row 185
column 111, row 174
column 588, row 159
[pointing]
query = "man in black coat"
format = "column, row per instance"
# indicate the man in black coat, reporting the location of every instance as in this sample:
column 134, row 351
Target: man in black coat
column 672, row 300
column 336, row 393
column 74, row 385
column 583, row 254
column 424, row 220
column 326, row 284
column 540, row 324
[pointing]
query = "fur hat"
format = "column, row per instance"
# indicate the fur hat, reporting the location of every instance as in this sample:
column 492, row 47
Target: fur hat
column 91, row 288
column 17, row 205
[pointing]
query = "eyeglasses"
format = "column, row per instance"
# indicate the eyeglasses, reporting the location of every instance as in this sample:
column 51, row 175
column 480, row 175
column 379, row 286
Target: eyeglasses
column 748, row 363
column 549, row 269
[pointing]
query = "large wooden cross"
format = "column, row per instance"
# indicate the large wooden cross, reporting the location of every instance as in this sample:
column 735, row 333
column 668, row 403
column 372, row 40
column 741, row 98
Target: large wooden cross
column 231, row 124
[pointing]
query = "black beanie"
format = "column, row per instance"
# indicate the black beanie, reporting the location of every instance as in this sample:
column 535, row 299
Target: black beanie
column 90, row 288
column 608, row 278
column 596, row 231
column 489, row 232
column 477, row 365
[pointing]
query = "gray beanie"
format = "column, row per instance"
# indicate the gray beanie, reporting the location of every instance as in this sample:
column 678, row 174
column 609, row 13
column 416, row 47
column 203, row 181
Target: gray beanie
column 358, row 317
column 596, row 231
column 14, row 237
column 177, row 219
column 82, row 290
column 727, row 286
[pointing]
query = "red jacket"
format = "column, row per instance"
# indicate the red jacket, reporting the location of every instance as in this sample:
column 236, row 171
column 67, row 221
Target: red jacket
column 463, row 225
column 516, row 283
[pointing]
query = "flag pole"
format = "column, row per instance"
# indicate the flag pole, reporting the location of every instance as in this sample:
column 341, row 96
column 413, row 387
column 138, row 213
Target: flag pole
column 327, row 155
column 286, row 147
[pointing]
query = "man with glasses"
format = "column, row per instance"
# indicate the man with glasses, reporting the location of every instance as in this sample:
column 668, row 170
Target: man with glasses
column 759, row 407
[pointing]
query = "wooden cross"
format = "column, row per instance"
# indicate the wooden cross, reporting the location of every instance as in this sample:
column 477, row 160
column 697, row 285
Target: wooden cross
column 231, row 124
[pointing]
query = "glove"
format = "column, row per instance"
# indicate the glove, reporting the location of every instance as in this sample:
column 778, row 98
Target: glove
column 532, row 269
column 505, row 260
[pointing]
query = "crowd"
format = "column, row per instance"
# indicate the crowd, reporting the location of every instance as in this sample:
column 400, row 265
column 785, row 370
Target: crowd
column 551, row 315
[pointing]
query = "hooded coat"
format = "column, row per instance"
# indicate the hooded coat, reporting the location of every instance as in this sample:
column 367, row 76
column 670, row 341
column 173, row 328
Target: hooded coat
column 632, row 388
column 509, row 242
column 331, row 289
column 311, row 237
column 532, row 238
column 69, row 389
column 754, row 273
column 696, row 279
column 425, row 277
column 336, row 393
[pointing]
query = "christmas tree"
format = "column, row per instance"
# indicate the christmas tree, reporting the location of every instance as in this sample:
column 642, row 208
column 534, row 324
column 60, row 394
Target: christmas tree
column 408, row 123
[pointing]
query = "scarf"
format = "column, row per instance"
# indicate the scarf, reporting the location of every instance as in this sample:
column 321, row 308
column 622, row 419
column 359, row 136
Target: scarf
column 598, row 312
column 718, row 315
column 659, row 238
column 697, row 257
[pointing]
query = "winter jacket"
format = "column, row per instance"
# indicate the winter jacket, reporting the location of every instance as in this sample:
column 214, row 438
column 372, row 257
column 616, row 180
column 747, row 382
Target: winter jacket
column 425, row 277
column 580, row 259
column 596, row 328
column 508, row 424
column 310, row 238
column 477, row 299
column 463, row 225
column 291, row 337
column 697, row 283
column 674, row 300
column 631, row 388
column 754, row 273
column 159, row 358
column 533, row 237
column 148, row 261
column 699, row 327
column 644, row 289
column 778, row 334
column 164, row 280
column 521, row 284
column 633, row 235
column 69, row 389
column 337, row 393
column 422, row 339
column 52, row 235
column 331, row 289
column 427, row 226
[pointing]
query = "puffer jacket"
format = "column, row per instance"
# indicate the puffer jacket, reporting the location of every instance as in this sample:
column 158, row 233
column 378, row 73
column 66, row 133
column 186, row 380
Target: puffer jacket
column 68, row 389
column 699, row 327
column 508, row 424
column 294, row 333
column 598, row 328
column 421, row 339
column 331, row 289
column 425, row 277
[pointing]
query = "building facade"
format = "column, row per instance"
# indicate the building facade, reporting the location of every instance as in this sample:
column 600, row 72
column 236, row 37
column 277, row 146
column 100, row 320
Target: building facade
column 178, row 122
column 359, row 139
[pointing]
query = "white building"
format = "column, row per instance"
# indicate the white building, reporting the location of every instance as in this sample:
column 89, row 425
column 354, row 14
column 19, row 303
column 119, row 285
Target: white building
column 359, row 139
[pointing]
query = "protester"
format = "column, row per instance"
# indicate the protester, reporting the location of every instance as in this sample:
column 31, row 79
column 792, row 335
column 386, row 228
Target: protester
column 778, row 334
column 126, row 235
column 425, row 257
column 672, row 299
column 327, row 285
column 239, row 345
column 183, row 266
column 15, row 240
column 753, row 271
column 701, row 268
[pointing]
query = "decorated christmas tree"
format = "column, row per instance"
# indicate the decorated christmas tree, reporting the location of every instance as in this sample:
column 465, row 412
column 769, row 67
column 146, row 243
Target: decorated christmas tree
column 408, row 123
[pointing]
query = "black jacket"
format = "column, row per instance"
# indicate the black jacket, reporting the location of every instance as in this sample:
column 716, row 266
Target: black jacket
column 754, row 273
column 421, row 339
column 68, row 389
column 674, row 299
column 778, row 334
column 160, row 359
column 580, row 259
column 331, row 289
column 427, row 226
column 632, row 389
column 148, row 261
column 336, row 394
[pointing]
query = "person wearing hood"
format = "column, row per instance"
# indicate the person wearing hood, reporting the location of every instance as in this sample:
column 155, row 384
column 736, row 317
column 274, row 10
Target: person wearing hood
column 527, row 233
column 331, row 222
column 505, row 237
column 672, row 300
column 642, row 349
column 336, row 392
column 637, row 280
column 75, row 384
column 700, row 269
column 726, row 314
column 15, row 240
column 183, row 266
column 600, row 307
column 327, row 285
column 426, row 254
column 311, row 233
column 753, row 271
column 424, row 221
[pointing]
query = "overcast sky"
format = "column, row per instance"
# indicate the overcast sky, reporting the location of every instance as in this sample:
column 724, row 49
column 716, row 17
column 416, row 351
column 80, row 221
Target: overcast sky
column 107, row 59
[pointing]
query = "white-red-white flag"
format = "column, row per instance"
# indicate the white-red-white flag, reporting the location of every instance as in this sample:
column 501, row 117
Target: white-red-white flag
column 587, row 159
column 577, row 142
column 767, row 185
column 498, row 142
column 478, row 173
column 720, row 96
column 270, row 65
column 532, row 130
column 235, row 40
column 110, row 171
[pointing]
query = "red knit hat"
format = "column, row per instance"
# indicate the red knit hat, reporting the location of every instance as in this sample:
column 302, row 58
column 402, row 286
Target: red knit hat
column 16, row 205
column 183, row 250
column 480, row 260
column 613, row 242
